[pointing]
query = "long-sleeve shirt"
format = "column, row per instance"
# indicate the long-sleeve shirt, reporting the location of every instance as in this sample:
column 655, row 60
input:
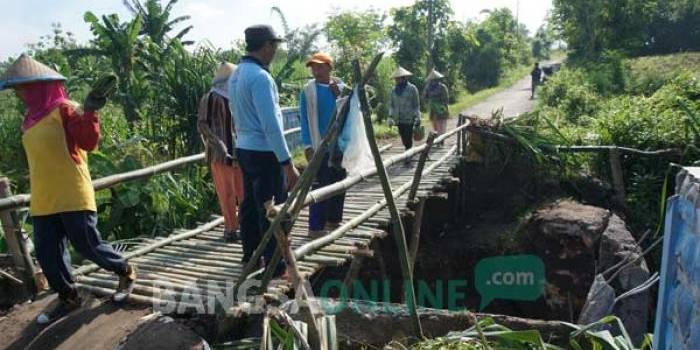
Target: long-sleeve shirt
column 254, row 103
column 405, row 106
column 56, row 149
column 215, row 123
column 438, row 98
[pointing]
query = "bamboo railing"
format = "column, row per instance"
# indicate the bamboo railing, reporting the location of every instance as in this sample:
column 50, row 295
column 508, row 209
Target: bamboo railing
column 23, row 200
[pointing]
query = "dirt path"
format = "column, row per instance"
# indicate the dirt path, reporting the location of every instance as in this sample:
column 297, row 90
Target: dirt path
column 514, row 100
column 99, row 325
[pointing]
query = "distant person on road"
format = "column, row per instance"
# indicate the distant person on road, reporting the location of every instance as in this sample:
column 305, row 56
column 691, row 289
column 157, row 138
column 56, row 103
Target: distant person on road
column 536, row 75
column 317, row 103
column 263, row 153
column 57, row 133
column 404, row 109
column 438, row 98
column 215, row 124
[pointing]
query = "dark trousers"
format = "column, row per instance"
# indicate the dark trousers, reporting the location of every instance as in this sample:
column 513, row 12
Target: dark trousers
column 330, row 210
column 406, row 133
column 51, row 236
column 263, row 179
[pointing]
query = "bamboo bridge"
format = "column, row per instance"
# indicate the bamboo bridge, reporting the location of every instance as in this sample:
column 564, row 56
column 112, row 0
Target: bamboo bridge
column 200, row 255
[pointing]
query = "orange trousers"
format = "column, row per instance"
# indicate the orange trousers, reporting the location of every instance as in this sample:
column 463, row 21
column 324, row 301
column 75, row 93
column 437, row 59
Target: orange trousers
column 228, row 181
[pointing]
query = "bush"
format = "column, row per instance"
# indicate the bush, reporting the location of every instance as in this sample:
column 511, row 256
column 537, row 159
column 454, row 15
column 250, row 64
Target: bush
column 570, row 93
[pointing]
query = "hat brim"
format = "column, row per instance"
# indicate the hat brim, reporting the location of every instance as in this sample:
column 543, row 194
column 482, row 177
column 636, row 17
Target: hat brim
column 310, row 62
column 6, row 84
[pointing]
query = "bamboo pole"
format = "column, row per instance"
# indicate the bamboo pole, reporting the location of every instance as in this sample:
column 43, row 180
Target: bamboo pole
column 415, row 238
column 668, row 152
column 22, row 200
column 187, row 234
column 420, row 166
column 398, row 229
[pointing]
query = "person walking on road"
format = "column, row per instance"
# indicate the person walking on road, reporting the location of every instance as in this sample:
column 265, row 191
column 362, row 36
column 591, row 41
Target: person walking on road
column 263, row 153
column 215, row 124
column 317, row 106
column 438, row 98
column 536, row 75
column 57, row 133
column 404, row 109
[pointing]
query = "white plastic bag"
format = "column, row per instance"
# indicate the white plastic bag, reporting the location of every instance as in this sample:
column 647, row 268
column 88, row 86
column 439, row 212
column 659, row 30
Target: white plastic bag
column 353, row 140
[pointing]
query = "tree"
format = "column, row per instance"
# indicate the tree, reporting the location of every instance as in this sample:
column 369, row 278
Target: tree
column 498, row 44
column 355, row 34
column 409, row 34
column 286, row 66
column 543, row 41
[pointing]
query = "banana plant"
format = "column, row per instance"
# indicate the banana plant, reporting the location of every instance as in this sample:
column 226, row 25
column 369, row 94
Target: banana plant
column 119, row 43
column 157, row 22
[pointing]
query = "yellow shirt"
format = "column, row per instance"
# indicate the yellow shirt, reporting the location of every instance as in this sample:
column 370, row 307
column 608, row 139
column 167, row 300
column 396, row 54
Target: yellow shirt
column 57, row 183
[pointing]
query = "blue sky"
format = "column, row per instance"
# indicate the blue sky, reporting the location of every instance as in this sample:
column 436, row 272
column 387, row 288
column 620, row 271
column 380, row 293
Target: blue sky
column 219, row 21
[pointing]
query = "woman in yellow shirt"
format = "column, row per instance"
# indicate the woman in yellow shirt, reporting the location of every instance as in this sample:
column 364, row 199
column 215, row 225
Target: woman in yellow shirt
column 57, row 136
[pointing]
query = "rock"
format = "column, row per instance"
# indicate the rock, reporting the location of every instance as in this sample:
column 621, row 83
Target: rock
column 616, row 244
column 564, row 235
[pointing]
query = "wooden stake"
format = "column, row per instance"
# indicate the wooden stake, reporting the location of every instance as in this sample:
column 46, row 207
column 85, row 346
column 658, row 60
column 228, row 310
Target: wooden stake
column 397, row 226
column 618, row 180
column 420, row 166
column 16, row 244
column 415, row 239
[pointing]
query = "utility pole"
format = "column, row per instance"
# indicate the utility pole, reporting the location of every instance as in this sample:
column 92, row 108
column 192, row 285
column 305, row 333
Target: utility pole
column 431, row 20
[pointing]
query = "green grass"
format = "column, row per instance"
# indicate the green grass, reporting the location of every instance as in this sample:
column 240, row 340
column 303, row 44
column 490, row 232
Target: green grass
column 648, row 74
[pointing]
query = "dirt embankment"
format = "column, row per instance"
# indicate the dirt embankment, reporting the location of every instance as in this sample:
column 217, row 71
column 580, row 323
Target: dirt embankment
column 99, row 325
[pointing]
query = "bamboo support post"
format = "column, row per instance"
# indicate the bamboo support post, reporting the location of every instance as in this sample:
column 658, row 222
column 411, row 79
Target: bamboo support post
column 460, row 121
column 398, row 229
column 415, row 238
column 420, row 166
column 16, row 243
column 617, row 177
column 464, row 139
column 352, row 273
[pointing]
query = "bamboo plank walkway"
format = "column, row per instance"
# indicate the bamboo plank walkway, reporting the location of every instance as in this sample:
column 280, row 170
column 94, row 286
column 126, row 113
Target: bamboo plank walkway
column 194, row 258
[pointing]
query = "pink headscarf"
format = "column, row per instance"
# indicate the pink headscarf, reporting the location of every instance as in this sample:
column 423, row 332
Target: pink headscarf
column 40, row 98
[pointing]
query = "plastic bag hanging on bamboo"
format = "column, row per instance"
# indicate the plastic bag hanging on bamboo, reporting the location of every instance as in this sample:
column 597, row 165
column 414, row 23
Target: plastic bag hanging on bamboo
column 352, row 141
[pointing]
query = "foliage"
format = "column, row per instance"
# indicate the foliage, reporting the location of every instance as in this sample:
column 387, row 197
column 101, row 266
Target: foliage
column 119, row 43
column 576, row 105
column 487, row 334
column 496, row 44
column 157, row 24
column 355, row 35
column 648, row 74
column 361, row 35
column 289, row 73
column 635, row 26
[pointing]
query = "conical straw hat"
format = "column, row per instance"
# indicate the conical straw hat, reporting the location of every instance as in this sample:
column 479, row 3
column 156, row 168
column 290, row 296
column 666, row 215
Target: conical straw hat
column 434, row 75
column 27, row 70
column 401, row 72
column 224, row 72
